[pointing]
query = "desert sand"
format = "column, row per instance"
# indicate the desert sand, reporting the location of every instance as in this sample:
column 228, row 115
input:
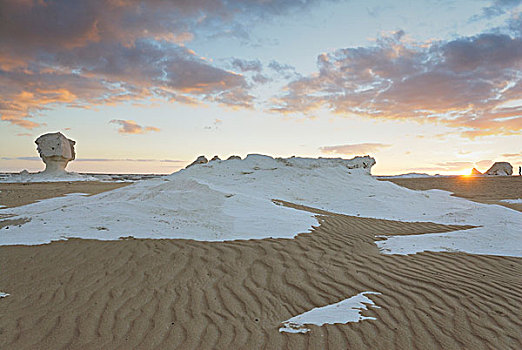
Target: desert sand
column 17, row 194
column 183, row 294
column 483, row 189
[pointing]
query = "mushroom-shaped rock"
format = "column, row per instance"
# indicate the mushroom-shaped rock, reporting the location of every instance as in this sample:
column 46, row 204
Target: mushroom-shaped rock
column 56, row 151
column 474, row 171
column 199, row 160
column 215, row 158
column 500, row 168
column 234, row 157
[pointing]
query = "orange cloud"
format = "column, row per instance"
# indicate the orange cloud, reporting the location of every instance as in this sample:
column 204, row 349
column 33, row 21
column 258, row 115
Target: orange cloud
column 53, row 53
column 27, row 124
column 512, row 155
column 131, row 127
column 128, row 73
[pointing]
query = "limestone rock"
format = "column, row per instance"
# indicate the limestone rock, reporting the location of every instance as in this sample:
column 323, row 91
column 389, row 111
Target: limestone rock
column 234, row 157
column 474, row 171
column 215, row 158
column 199, row 160
column 365, row 162
column 500, row 168
column 56, row 151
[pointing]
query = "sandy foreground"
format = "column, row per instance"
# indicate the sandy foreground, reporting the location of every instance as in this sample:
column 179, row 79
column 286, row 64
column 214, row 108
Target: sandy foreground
column 181, row 294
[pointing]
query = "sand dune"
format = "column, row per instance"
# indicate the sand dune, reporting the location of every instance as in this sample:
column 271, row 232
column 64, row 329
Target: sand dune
column 181, row 294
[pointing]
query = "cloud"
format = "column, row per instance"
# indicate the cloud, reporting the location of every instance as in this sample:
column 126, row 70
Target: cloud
column 83, row 53
column 26, row 124
column 103, row 73
column 247, row 65
column 257, row 74
column 464, row 83
column 130, row 127
column 62, row 23
column 454, row 165
column 512, row 155
column 284, row 70
column 497, row 8
column 24, row 134
column 358, row 148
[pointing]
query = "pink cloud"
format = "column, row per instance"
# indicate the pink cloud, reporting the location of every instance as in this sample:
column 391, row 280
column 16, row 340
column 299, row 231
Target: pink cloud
column 131, row 127
column 461, row 83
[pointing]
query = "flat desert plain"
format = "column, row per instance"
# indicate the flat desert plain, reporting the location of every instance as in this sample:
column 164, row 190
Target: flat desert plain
column 483, row 189
column 185, row 294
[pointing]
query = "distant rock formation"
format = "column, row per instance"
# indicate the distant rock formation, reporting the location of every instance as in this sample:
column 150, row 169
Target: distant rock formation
column 199, row 160
column 500, row 168
column 56, row 151
column 215, row 158
column 474, row 171
column 234, row 157
column 365, row 163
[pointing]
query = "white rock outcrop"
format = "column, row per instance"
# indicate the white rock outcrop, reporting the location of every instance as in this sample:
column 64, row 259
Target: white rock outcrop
column 56, row 151
column 199, row 160
column 474, row 171
column 500, row 168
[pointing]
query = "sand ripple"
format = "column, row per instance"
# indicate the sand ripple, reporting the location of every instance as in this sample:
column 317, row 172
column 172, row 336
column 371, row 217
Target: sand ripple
column 178, row 294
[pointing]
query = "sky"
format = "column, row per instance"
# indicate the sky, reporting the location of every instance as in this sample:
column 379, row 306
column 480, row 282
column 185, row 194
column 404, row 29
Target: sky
column 147, row 86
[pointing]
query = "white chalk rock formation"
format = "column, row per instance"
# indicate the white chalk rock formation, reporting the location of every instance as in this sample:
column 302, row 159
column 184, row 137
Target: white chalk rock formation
column 500, row 168
column 234, row 157
column 474, row 171
column 56, row 151
column 215, row 158
column 199, row 160
column 230, row 200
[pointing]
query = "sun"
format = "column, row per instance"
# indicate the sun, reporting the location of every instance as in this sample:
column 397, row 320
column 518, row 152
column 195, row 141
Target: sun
column 466, row 174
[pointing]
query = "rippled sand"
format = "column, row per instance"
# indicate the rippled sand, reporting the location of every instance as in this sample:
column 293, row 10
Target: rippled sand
column 179, row 294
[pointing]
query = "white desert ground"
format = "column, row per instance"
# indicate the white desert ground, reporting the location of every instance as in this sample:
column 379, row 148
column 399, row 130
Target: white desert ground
column 263, row 253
